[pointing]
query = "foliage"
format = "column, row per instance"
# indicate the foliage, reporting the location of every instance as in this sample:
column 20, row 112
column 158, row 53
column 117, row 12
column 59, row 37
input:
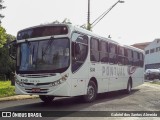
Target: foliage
column 1, row 7
column 10, row 38
column 3, row 36
column 155, row 82
column 65, row 21
column 6, row 89
column 56, row 22
column 7, row 65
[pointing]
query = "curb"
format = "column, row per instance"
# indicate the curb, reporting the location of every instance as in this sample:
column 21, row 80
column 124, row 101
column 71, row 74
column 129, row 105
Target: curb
column 18, row 97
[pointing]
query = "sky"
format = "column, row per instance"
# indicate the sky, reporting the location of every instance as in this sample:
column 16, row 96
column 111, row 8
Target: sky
column 134, row 21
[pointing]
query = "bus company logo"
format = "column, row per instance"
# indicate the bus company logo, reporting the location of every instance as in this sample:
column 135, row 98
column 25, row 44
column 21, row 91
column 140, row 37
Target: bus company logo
column 113, row 71
column 6, row 114
column 35, row 82
column 131, row 69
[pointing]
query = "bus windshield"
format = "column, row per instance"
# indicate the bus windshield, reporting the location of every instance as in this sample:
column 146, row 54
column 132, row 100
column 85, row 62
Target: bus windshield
column 51, row 55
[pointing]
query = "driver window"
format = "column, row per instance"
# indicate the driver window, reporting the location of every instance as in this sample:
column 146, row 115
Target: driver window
column 79, row 50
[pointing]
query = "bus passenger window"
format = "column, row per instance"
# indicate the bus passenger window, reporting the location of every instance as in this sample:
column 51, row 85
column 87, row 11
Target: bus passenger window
column 121, row 58
column 94, row 50
column 129, row 57
column 104, row 57
column 82, row 53
column 112, row 53
column 141, row 59
column 135, row 58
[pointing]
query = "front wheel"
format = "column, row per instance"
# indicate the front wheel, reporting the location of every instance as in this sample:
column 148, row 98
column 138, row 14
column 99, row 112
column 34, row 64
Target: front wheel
column 91, row 92
column 46, row 98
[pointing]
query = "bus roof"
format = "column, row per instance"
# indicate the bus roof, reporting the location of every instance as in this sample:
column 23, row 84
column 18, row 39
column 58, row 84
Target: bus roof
column 133, row 48
column 73, row 28
column 84, row 31
column 43, row 25
column 103, row 38
column 76, row 28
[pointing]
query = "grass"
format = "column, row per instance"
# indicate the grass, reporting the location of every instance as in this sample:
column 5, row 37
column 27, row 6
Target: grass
column 6, row 89
column 155, row 82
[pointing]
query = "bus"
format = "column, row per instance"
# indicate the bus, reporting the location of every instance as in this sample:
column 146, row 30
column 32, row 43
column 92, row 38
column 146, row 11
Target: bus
column 62, row 60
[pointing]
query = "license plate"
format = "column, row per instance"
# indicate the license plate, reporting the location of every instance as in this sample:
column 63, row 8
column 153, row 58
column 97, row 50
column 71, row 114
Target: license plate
column 36, row 90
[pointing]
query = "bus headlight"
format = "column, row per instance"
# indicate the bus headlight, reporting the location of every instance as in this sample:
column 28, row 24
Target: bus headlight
column 60, row 81
column 19, row 82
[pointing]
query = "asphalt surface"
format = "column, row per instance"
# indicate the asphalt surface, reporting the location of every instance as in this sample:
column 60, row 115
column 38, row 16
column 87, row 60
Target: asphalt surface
column 142, row 98
column 18, row 97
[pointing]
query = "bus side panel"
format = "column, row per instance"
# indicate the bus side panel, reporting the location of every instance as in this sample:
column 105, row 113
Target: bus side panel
column 97, row 71
column 138, row 77
column 117, row 76
column 79, row 80
column 78, row 86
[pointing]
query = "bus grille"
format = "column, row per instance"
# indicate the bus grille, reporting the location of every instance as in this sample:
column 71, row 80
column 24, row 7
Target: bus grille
column 38, row 84
column 37, row 75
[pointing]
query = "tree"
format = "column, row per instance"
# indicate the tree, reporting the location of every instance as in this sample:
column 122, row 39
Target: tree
column 1, row 7
column 56, row 22
column 65, row 21
column 10, row 38
column 3, row 36
column 84, row 26
column 7, row 65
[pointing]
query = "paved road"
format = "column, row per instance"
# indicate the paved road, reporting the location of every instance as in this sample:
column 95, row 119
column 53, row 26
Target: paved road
column 143, row 98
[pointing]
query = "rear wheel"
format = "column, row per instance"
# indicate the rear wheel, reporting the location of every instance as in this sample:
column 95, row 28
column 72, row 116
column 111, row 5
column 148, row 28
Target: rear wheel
column 46, row 98
column 91, row 92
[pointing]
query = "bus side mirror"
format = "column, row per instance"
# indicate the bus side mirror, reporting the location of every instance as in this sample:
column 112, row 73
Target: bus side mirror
column 12, row 49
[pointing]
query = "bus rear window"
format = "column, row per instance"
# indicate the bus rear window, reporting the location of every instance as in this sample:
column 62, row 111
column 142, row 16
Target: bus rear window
column 42, row 31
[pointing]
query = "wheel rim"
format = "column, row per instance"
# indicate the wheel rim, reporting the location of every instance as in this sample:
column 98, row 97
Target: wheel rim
column 90, row 92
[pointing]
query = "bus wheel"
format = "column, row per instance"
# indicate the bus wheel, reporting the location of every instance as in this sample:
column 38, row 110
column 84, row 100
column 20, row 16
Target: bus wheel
column 129, row 87
column 91, row 92
column 46, row 98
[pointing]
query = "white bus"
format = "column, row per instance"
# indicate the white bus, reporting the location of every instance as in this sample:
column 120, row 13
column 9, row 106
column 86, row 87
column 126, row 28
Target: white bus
column 63, row 60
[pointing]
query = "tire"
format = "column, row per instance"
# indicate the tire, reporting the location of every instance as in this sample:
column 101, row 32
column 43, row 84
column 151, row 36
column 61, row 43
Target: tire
column 46, row 98
column 129, row 87
column 91, row 92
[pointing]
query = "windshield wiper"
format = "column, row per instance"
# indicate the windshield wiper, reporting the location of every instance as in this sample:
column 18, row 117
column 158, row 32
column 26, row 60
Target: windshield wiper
column 48, row 45
column 28, row 42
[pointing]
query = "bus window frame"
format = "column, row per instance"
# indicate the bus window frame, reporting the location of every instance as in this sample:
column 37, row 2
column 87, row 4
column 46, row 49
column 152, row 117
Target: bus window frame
column 104, row 52
column 94, row 51
column 73, row 59
column 114, row 54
